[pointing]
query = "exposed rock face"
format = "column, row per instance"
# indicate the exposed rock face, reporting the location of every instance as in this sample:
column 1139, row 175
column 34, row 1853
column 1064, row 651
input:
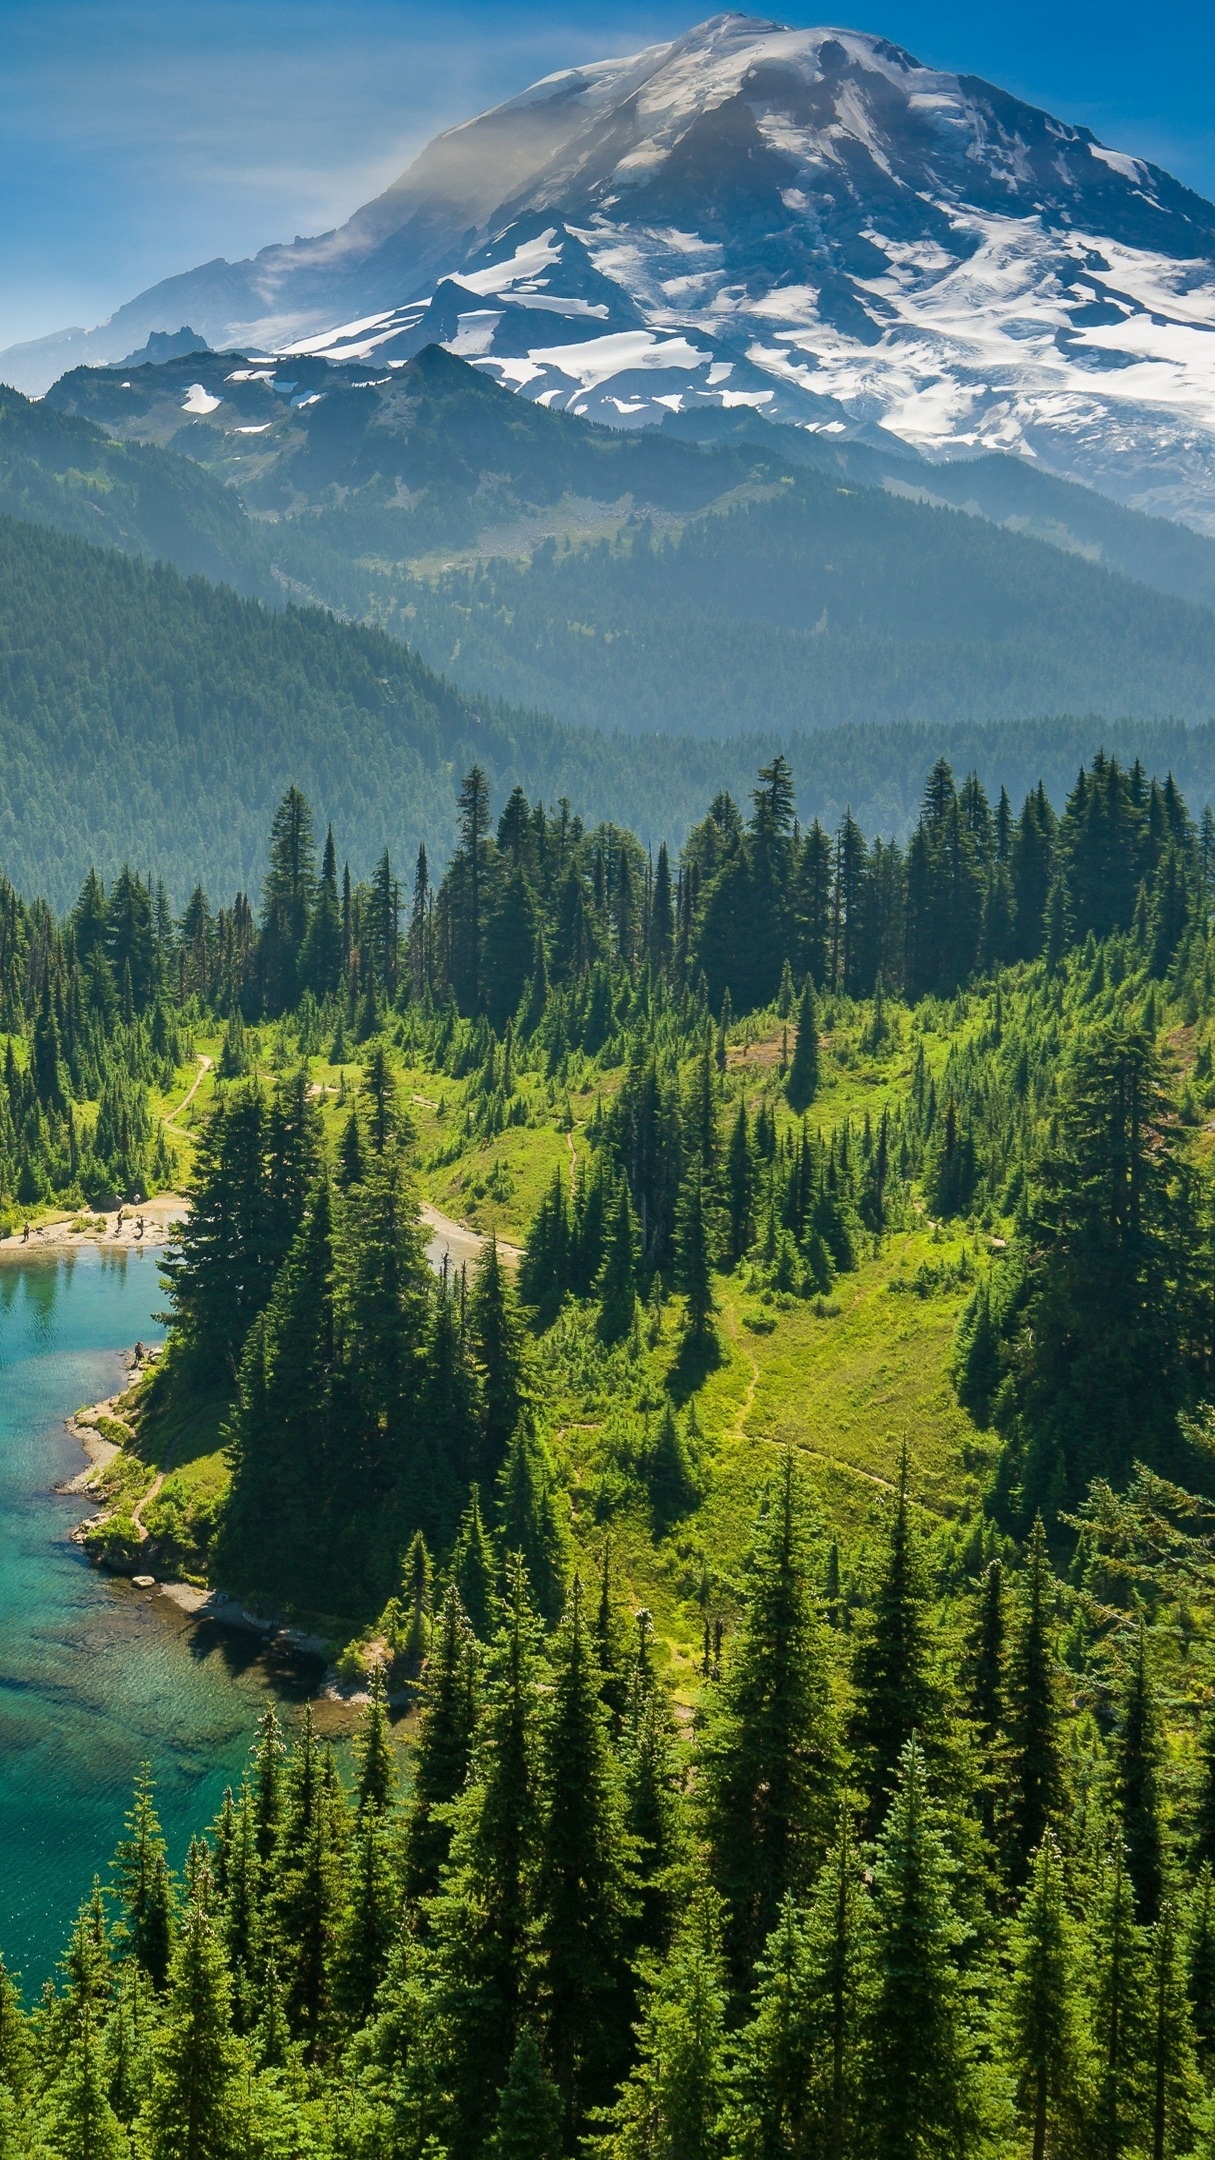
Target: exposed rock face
column 805, row 221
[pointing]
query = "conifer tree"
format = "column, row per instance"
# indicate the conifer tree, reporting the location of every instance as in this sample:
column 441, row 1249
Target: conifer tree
column 612, row 1641
column 1044, row 2029
column 924, row 2092
column 670, row 2107
column 662, row 917
column 385, row 1297
column 189, row 2110
column 78, row 2115
column 128, row 2042
column 87, row 1991
column 1200, row 1967
column 653, row 1790
column 986, row 1686
column 531, row 1522
column 16, row 2054
column 584, row 1888
column 474, row 1568
column 290, row 1434
column 1203, row 1844
column 242, row 1923
column 671, row 1473
column 1137, row 1777
column 545, row 1270
column 450, row 1704
column 529, row 2112
column 616, row 1281
column 417, row 1591
column 1035, row 1768
column 483, row 1921
column 308, row 1909
column 740, row 1186
column 799, row 2085
column 768, row 1755
column 896, row 1695
column 321, row 954
column 374, row 1751
column 499, row 1341
column 368, row 1927
column 449, row 1419
column 379, row 1092
column 144, row 1882
column 1119, row 2016
column 301, row 1791
column 801, row 1085
column 269, row 1757
column 1175, row 2087
column 693, row 1257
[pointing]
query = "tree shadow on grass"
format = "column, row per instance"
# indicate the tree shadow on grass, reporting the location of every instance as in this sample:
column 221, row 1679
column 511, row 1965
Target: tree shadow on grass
column 699, row 1355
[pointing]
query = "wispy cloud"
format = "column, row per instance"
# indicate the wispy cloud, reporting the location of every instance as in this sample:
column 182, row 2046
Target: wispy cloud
column 137, row 139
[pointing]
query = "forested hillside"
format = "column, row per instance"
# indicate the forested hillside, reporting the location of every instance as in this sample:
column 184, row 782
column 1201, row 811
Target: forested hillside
column 781, row 1601
column 644, row 582
column 828, row 606
column 64, row 472
column 154, row 720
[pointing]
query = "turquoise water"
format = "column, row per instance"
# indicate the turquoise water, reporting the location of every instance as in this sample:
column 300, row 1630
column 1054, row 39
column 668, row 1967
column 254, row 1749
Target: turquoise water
column 94, row 1674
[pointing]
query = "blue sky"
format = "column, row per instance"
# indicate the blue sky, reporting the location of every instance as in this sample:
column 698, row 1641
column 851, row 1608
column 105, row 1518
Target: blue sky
column 139, row 137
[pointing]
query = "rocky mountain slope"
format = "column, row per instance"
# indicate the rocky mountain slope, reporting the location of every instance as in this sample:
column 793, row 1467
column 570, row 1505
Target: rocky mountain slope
column 806, row 222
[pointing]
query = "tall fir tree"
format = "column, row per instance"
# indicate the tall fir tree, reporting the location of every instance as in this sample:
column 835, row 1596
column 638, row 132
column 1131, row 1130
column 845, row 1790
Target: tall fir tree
column 671, row 2105
column 1035, row 1764
column 1137, row 1781
column 584, row 1888
column 1043, row 2015
column 528, row 2125
column 144, row 1883
column 799, row 2087
column 924, row 2087
column 189, row 2110
column 531, row 1519
column 483, row 1923
column 896, row 1694
column 768, row 1754
column 450, row 1705
column 801, row 1084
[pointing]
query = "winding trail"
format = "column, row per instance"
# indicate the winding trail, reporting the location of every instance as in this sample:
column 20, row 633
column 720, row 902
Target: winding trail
column 204, row 1066
column 149, row 1496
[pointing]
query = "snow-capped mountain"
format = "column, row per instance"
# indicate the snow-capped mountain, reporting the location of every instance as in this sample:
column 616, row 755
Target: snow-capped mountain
column 805, row 222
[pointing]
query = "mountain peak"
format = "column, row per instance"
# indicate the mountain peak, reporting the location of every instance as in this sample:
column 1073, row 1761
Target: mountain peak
column 807, row 222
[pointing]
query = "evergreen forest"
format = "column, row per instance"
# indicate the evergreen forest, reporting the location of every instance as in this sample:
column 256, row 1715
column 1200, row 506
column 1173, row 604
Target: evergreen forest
column 772, row 1577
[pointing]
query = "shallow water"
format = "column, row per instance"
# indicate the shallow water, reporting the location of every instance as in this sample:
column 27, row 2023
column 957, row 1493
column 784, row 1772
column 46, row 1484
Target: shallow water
column 95, row 1676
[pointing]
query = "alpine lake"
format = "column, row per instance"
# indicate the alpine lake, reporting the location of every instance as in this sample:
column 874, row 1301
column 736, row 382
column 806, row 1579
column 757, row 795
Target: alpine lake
column 96, row 1675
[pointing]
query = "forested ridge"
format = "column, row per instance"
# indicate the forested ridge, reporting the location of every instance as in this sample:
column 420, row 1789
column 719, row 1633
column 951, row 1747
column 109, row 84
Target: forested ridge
column 830, row 605
column 790, row 1584
column 154, row 720
column 641, row 581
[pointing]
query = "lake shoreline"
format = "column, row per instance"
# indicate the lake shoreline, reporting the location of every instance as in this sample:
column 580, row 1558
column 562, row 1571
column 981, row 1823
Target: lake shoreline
column 107, row 1234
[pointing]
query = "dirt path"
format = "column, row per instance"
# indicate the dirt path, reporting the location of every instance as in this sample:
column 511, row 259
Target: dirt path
column 149, row 1496
column 204, row 1067
column 456, row 1243
column 569, row 1141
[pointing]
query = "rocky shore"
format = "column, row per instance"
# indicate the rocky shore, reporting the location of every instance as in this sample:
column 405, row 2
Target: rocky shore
column 124, row 1229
